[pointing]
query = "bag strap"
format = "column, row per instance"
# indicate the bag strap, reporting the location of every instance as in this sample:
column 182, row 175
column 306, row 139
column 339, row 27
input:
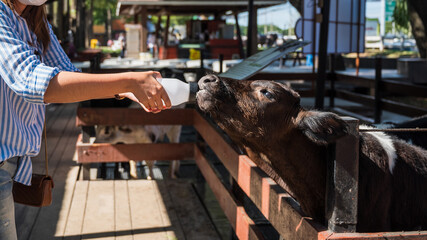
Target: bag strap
column 45, row 148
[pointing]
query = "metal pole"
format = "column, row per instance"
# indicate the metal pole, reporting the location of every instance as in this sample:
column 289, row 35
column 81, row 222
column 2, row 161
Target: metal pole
column 333, row 78
column 378, row 79
column 250, row 28
column 358, row 39
column 239, row 36
column 323, row 56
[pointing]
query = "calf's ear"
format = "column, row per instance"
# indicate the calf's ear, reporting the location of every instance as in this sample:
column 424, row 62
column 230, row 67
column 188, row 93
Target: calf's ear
column 322, row 127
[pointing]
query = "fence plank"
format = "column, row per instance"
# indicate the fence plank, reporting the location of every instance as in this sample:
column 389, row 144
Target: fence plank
column 106, row 152
column 132, row 116
column 243, row 226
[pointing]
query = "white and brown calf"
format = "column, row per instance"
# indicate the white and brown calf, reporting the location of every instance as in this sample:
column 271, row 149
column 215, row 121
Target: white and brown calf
column 266, row 119
column 130, row 134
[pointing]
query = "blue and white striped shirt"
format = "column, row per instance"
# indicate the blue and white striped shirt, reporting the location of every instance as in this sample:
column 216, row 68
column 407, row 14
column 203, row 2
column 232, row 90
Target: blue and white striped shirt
column 25, row 73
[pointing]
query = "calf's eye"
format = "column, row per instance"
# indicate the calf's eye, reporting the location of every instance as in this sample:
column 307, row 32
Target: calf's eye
column 267, row 94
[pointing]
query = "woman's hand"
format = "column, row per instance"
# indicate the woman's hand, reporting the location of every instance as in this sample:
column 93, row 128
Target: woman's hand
column 148, row 92
column 132, row 97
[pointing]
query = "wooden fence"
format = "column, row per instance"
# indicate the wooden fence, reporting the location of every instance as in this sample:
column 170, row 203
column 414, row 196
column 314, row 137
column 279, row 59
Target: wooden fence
column 273, row 201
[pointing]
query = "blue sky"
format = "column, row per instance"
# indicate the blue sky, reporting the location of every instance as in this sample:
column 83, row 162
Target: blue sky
column 283, row 16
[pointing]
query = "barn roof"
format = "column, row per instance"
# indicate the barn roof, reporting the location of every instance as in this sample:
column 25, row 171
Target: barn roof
column 182, row 7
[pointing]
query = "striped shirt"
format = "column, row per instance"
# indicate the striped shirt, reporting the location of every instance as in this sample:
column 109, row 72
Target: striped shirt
column 25, row 73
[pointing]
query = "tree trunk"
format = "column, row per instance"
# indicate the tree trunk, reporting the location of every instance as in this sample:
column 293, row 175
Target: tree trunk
column 108, row 26
column 417, row 16
column 80, row 24
column 89, row 22
column 60, row 19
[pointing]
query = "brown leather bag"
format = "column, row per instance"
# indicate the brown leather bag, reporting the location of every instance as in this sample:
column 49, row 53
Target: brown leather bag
column 39, row 194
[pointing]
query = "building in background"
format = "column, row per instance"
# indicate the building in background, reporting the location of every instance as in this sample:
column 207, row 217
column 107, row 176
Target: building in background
column 383, row 11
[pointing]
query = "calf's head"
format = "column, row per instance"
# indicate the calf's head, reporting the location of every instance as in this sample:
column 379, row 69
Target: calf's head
column 264, row 112
column 286, row 141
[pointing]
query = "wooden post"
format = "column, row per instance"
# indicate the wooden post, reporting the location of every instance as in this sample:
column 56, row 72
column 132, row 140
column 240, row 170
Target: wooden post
column 239, row 36
column 67, row 18
column 108, row 24
column 87, row 133
column 342, row 181
column 378, row 79
column 165, row 38
column 323, row 55
column 80, row 24
column 159, row 20
column 89, row 24
column 95, row 63
column 60, row 19
column 144, row 36
column 221, row 62
column 166, row 32
column 201, row 71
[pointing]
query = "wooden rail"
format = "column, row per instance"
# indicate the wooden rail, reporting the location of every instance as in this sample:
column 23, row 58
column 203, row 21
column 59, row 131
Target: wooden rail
column 388, row 105
column 272, row 200
column 380, row 86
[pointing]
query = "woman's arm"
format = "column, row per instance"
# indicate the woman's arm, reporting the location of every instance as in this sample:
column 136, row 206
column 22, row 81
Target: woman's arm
column 68, row 87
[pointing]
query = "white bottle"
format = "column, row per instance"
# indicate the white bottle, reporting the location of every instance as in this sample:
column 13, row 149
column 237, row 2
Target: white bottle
column 179, row 91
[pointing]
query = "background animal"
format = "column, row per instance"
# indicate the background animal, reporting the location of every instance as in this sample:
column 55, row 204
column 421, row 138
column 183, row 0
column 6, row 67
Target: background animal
column 130, row 134
column 137, row 134
column 265, row 118
column 415, row 138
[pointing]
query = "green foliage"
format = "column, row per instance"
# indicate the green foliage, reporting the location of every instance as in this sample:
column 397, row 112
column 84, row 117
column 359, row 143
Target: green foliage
column 401, row 16
column 174, row 20
column 264, row 29
column 108, row 50
column 100, row 8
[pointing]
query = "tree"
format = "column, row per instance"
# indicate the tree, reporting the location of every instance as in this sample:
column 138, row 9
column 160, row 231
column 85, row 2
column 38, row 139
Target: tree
column 416, row 12
column 101, row 9
column 401, row 17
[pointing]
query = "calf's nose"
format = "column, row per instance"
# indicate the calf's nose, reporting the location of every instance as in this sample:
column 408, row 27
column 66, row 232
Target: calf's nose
column 208, row 80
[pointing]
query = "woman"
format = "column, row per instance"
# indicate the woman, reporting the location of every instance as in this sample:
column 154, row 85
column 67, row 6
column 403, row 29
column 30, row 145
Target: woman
column 34, row 71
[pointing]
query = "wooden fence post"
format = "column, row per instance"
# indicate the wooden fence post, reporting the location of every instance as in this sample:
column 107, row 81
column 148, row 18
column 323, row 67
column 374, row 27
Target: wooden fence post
column 342, row 182
column 87, row 133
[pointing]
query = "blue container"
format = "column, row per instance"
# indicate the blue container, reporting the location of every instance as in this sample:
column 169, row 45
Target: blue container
column 309, row 60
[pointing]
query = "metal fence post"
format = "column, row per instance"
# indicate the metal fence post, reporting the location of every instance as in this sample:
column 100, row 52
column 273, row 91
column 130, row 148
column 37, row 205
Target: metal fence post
column 332, row 61
column 323, row 55
column 378, row 95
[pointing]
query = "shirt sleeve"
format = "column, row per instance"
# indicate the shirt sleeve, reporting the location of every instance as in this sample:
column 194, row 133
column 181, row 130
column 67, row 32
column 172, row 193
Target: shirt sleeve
column 21, row 68
column 55, row 55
